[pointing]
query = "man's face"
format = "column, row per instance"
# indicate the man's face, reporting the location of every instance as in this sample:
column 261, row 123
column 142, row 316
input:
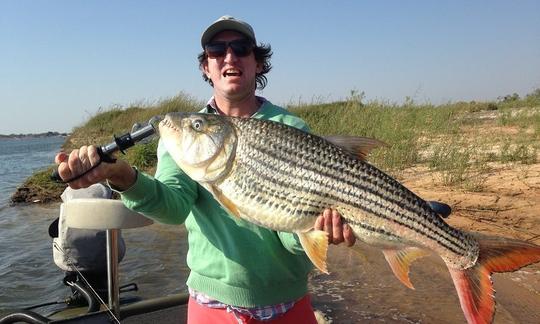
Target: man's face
column 232, row 76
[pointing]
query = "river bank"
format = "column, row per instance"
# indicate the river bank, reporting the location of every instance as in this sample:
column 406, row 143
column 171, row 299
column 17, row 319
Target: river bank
column 33, row 135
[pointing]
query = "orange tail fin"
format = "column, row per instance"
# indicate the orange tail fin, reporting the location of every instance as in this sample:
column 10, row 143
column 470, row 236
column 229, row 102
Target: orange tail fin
column 474, row 285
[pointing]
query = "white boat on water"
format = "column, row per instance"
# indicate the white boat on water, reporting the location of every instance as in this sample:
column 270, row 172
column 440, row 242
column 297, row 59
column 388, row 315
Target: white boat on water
column 96, row 298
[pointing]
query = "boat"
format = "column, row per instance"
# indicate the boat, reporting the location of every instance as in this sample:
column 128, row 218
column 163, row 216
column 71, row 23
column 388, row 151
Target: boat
column 87, row 303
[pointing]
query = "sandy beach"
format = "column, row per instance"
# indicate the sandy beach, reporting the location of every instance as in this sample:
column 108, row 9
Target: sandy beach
column 362, row 289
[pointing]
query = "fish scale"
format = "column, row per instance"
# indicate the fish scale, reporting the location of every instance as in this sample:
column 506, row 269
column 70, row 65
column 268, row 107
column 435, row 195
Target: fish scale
column 283, row 178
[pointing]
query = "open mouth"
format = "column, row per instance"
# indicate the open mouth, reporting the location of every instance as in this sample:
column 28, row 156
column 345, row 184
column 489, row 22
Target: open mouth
column 232, row 72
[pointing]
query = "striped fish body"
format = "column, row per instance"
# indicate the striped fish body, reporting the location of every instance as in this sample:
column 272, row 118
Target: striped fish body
column 283, row 178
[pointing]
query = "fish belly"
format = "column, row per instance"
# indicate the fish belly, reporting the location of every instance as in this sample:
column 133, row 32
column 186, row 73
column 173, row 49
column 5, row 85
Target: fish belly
column 267, row 204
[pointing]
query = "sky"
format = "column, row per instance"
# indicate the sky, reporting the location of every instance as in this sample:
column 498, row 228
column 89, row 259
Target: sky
column 63, row 61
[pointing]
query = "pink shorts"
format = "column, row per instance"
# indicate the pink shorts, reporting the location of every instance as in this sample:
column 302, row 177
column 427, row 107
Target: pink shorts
column 302, row 312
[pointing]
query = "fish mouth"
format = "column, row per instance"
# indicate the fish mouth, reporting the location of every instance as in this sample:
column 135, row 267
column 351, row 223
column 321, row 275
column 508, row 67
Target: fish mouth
column 167, row 122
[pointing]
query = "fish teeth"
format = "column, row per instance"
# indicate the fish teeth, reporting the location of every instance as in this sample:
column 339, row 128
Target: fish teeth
column 168, row 123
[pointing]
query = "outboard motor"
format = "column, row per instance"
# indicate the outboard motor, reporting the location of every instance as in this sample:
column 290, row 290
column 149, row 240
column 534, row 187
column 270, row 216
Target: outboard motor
column 82, row 252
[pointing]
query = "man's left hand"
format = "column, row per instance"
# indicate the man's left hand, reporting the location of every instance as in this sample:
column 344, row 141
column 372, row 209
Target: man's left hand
column 331, row 222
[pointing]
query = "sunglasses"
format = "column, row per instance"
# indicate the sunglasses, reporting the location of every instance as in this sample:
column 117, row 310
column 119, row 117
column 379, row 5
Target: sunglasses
column 240, row 48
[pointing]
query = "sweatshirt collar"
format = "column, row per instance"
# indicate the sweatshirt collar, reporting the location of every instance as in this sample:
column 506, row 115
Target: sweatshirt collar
column 211, row 106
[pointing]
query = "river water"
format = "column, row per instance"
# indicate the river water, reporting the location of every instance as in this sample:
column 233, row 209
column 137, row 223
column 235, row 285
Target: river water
column 360, row 288
column 28, row 275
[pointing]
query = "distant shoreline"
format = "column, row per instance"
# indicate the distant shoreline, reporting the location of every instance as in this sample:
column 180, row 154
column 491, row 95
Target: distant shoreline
column 39, row 135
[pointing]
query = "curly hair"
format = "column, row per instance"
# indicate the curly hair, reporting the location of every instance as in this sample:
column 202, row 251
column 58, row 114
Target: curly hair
column 263, row 53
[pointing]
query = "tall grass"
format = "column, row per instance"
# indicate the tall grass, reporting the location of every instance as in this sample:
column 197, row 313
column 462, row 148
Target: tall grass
column 459, row 163
column 521, row 152
column 404, row 128
column 119, row 120
column 433, row 135
column 414, row 133
column 443, row 137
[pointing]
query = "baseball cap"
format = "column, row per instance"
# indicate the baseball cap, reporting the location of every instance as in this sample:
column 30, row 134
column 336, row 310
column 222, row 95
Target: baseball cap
column 227, row 23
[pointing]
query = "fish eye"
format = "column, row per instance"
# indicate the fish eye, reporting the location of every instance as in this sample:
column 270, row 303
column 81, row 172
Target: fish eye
column 197, row 124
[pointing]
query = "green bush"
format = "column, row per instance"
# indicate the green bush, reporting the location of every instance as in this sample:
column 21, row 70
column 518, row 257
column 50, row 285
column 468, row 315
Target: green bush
column 143, row 156
column 459, row 164
column 523, row 153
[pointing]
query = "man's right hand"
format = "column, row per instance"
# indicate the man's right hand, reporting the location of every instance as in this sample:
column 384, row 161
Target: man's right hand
column 119, row 174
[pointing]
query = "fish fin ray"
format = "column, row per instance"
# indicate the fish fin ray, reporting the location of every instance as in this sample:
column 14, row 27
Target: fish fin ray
column 474, row 285
column 315, row 244
column 360, row 252
column 356, row 145
column 400, row 261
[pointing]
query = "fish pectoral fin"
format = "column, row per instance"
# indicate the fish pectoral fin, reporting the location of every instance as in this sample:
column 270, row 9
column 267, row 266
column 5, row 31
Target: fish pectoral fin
column 359, row 252
column 356, row 145
column 224, row 201
column 315, row 244
column 400, row 261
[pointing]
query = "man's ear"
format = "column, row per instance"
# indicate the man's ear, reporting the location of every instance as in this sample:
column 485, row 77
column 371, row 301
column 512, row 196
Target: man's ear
column 259, row 68
column 204, row 69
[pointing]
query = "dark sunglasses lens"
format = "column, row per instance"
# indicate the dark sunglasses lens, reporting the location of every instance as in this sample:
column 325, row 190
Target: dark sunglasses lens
column 241, row 48
column 216, row 49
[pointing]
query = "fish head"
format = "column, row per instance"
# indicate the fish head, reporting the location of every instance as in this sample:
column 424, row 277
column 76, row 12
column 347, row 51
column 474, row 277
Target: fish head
column 202, row 145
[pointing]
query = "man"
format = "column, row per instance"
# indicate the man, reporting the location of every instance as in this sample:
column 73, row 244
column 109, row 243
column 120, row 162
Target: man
column 240, row 272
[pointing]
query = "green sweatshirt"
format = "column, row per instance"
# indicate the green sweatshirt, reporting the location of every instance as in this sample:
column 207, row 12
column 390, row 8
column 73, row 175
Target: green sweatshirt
column 231, row 260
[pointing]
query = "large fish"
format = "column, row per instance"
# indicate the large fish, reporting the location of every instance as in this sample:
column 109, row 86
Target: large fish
column 282, row 178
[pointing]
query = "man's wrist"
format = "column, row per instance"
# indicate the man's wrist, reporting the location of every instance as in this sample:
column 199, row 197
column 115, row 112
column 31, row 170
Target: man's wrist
column 123, row 178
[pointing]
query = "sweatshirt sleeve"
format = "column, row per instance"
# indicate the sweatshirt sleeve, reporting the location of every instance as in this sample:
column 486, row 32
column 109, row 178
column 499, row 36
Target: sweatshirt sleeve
column 167, row 197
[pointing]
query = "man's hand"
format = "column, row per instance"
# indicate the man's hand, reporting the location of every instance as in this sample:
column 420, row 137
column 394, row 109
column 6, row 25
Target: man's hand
column 120, row 174
column 331, row 222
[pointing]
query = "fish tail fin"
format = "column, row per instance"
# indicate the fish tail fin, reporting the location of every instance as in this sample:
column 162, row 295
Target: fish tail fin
column 315, row 244
column 474, row 285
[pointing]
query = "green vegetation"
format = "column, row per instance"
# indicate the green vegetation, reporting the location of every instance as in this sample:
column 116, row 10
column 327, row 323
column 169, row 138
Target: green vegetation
column 38, row 188
column 119, row 120
column 457, row 141
column 459, row 163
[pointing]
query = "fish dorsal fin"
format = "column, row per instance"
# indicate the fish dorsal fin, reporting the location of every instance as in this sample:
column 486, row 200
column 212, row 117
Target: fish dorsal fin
column 224, row 201
column 400, row 261
column 356, row 145
column 315, row 244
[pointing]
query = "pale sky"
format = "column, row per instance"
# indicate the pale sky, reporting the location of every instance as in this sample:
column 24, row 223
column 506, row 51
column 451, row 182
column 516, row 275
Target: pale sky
column 60, row 61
